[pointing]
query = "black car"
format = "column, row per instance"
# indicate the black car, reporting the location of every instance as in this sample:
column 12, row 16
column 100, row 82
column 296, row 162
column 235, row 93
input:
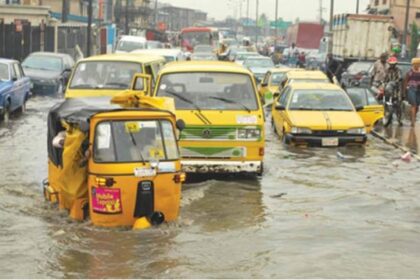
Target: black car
column 357, row 74
column 49, row 72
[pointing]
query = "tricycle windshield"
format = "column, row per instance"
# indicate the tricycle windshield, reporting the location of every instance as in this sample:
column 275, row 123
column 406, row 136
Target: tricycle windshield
column 134, row 141
column 104, row 75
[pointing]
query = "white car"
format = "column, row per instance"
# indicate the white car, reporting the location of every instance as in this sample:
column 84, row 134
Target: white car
column 169, row 54
column 130, row 43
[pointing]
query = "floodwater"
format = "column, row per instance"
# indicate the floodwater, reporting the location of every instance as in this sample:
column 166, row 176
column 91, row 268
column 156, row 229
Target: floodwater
column 313, row 214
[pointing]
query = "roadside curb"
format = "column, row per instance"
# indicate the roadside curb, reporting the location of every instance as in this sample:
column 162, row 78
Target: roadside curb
column 396, row 145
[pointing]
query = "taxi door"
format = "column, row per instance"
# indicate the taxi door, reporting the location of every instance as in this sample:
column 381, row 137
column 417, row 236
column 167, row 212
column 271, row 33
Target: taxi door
column 280, row 116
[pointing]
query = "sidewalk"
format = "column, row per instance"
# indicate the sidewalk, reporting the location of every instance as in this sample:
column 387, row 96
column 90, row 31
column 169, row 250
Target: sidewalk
column 404, row 136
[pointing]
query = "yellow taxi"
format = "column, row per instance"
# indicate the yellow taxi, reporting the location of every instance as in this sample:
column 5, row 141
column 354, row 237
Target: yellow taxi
column 271, row 82
column 108, row 75
column 304, row 76
column 224, row 118
column 317, row 114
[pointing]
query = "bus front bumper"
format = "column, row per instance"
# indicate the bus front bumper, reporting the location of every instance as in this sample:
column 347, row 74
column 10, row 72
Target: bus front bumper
column 219, row 166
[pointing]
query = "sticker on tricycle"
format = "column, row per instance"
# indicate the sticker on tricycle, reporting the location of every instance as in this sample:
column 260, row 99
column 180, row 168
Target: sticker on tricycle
column 106, row 200
column 144, row 172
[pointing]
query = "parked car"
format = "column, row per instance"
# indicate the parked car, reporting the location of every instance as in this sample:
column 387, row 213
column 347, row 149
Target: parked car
column 129, row 43
column 358, row 73
column 317, row 114
column 203, row 56
column 49, row 72
column 14, row 88
column 154, row 45
column 259, row 66
column 241, row 56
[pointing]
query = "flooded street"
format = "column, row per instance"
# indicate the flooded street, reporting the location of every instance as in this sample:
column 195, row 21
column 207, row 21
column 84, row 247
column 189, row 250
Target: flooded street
column 315, row 213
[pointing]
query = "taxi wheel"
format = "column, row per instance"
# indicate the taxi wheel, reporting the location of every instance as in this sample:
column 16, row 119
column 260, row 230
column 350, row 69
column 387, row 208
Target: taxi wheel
column 284, row 139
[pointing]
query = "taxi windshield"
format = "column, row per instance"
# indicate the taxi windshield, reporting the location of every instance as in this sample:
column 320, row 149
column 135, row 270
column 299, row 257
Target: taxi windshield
column 135, row 141
column 104, row 75
column 209, row 91
column 265, row 63
column 320, row 100
column 309, row 80
column 277, row 78
column 128, row 46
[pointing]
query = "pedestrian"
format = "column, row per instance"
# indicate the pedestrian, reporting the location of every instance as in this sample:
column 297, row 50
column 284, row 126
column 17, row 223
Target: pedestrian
column 380, row 68
column 301, row 60
column 412, row 86
column 393, row 81
column 331, row 67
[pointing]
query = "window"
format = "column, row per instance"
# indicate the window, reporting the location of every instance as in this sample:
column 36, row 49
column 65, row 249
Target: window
column 384, row 2
column 417, row 15
column 285, row 97
column 135, row 141
column 376, row 2
column 18, row 71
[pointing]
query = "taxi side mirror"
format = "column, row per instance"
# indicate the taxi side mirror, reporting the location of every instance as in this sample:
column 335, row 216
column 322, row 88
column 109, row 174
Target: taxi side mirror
column 276, row 94
column 264, row 84
column 359, row 108
column 142, row 82
column 280, row 107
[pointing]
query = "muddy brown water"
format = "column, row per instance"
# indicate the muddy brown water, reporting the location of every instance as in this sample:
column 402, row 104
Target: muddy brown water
column 312, row 214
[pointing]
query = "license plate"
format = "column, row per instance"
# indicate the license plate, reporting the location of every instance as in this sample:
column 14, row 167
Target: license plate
column 329, row 142
column 144, row 172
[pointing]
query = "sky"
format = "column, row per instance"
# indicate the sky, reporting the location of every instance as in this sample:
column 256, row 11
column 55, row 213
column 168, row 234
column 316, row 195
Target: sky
column 307, row 10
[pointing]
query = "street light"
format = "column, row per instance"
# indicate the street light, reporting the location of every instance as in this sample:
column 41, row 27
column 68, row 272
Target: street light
column 256, row 23
column 404, row 38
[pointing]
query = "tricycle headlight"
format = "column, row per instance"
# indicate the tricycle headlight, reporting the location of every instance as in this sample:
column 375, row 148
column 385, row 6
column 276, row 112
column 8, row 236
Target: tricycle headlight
column 301, row 130
column 360, row 130
column 249, row 133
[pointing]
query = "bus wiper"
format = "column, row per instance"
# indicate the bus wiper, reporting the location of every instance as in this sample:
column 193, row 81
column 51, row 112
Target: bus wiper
column 133, row 140
column 230, row 101
column 186, row 100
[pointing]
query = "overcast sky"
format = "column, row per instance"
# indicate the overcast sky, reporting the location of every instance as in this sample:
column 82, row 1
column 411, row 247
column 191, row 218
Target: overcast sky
column 288, row 9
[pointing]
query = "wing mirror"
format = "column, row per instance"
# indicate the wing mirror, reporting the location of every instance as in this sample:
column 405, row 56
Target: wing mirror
column 180, row 125
column 264, row 84
column 280, row 107
column 276, row 94
column 359, row 108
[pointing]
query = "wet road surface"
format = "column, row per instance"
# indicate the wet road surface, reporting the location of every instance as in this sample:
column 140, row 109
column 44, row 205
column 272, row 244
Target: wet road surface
column 313, row 214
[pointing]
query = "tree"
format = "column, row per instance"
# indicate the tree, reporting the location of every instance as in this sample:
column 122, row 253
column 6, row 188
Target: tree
column 414, row 39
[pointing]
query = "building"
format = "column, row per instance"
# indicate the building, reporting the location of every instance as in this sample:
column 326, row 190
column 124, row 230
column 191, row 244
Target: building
column 177, row 18
column 396, row 9
column 34, row 15
column 137, row 13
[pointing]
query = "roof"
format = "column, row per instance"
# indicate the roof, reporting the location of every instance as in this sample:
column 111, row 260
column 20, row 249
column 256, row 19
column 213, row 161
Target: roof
column 127, row 57
column 280, row 70
column 158, row 52
column 306, row 74
column 52, row 54
column 7, row 61
column 204, row 66
column 314, row 86
column 196, row 29
column 133, row 38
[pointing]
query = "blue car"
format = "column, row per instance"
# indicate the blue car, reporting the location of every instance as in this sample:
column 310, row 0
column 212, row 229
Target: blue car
column 15, row 88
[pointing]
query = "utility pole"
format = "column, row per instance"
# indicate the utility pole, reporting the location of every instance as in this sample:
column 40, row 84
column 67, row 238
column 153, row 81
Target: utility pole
column 247, row 9
column 256, row 23
column 321, row 9
column 126, row 18
column 64, row 11
column 276, row 22
column 404, row 38
column 330, row 44
column 156, row 13
column 357, row 6
column 89, row 28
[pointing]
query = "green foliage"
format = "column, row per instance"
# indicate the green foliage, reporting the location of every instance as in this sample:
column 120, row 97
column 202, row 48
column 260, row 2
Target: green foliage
column 414, row 39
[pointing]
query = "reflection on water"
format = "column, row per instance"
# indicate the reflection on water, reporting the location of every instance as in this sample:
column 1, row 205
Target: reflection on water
column 339, row 212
